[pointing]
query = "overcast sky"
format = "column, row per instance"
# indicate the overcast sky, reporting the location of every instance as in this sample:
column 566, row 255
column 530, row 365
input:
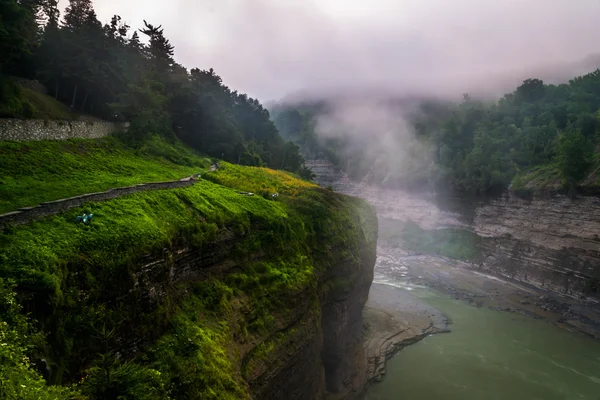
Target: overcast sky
column 271, row 48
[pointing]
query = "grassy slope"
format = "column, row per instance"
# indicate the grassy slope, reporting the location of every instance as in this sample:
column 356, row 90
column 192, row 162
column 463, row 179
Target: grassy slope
column 71, row 269
column 22, row 102
column 32, row 172
column 547, row 178
column 46, row 107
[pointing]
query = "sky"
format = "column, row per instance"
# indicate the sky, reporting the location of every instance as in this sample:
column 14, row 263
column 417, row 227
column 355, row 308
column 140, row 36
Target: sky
column 271, row 49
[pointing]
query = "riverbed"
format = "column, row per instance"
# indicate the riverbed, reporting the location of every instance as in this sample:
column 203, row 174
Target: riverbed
column 456, row 330
column 492, row 355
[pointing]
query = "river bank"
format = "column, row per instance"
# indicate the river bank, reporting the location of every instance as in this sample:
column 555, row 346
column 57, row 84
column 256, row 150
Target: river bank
column 466, row 282
column 529, row 260
column 397, row 314
column 394, row 319
column 491, row 355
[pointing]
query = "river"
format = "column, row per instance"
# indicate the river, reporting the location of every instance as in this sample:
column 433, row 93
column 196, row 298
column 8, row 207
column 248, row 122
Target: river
column 508, row 340
column 491, row 355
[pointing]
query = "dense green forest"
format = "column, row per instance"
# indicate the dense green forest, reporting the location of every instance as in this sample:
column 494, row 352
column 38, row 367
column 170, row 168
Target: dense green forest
column 539, row 136
column 114, row 73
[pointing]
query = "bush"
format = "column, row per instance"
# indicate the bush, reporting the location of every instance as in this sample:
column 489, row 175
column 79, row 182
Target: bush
column 18, row 378
column 574, row 158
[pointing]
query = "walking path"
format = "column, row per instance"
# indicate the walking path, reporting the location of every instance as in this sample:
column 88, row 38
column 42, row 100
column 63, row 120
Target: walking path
column 28, row 214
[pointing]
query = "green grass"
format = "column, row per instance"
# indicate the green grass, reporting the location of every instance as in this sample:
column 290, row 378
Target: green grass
column 547, row 178
column 46, row 107
column 459, row 244
column 262, row 181
column 21, row 102
column 33, row 172
column 539, row 178
column 69, row 275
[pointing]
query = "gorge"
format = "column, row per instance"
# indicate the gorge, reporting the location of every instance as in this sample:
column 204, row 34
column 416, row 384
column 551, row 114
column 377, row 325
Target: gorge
column 529, row 262
column 219, row 289
column 162, row 235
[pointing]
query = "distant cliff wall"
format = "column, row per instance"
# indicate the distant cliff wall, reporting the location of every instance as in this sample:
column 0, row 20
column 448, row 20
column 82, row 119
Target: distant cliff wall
column 551, row 242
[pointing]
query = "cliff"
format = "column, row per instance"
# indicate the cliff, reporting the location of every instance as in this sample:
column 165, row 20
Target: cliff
column 549, row 241
column 199, row 292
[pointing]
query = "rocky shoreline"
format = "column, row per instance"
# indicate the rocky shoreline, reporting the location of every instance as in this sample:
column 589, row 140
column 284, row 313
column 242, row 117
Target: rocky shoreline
column 395, row 319
column 464, row 281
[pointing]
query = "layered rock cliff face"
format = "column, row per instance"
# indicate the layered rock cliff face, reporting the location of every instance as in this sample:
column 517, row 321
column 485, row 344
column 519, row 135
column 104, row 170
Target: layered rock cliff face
column 551, row 241
column 315, row 346
column 325, row 359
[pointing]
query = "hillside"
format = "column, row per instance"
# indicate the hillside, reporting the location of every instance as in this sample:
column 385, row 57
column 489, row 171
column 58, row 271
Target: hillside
column 106, row 70
column 197, row 293
column 34, row 172
column 28, row 103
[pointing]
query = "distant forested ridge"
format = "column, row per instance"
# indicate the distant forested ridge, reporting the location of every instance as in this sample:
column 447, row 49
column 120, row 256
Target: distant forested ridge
column 538, row 137
column 113, row 72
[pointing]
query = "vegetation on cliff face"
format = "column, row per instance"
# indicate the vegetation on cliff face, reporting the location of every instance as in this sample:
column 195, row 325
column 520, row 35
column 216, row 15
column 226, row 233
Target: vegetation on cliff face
column 106, row 334
column 538, row 137
column 108, row 71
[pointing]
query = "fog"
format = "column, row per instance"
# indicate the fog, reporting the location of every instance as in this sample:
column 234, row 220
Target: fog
column 367, row 51
column 381, row 133
column 274, row 48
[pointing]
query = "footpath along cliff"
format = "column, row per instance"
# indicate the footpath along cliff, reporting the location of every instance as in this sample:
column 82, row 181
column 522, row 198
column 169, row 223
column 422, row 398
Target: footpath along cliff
column 199, row 292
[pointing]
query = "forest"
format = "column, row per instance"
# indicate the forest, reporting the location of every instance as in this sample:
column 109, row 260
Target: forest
column 115, row 73
column 539, row 136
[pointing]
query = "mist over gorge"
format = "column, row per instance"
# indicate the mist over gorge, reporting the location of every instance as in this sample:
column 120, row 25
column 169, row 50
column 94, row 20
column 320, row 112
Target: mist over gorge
column 264, row 199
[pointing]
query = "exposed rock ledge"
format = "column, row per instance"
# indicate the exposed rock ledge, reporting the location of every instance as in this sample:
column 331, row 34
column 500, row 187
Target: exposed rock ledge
column 394, row 319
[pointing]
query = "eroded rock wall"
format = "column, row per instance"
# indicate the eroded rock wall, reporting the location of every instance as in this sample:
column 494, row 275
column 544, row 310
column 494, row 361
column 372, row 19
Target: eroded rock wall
column 318, row 350
column 343, row 355
column 551, row 242
column 324, row 358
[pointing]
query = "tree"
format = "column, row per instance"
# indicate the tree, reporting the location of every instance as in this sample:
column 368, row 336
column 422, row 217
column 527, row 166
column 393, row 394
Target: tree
column 18, row 32
column 160, row 50
column 531, row 90
column 144, row 105
column 574, row 155
column 77, row 14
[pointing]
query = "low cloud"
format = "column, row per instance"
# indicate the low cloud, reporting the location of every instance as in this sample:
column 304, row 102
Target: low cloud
column 271, row 48
column 378, row 140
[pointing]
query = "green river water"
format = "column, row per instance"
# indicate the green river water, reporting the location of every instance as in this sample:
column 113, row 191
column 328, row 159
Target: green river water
column 492, row 355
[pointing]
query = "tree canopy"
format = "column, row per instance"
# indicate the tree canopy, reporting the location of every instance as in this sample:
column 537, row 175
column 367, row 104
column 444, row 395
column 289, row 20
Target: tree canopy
column 111, row 72
column 476, row 146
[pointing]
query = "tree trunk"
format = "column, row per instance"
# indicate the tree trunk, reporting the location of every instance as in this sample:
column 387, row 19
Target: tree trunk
column 84, row 101
column 74, row 97
column 284, row 158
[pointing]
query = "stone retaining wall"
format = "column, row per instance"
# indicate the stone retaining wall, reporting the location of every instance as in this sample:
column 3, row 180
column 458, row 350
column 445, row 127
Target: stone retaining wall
column 39, row 129
column 28, row 214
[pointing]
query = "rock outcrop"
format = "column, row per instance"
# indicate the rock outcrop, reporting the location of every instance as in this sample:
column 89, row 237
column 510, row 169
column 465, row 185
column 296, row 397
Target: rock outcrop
column 550, row 242
column 320, row 354
column 395, row 319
